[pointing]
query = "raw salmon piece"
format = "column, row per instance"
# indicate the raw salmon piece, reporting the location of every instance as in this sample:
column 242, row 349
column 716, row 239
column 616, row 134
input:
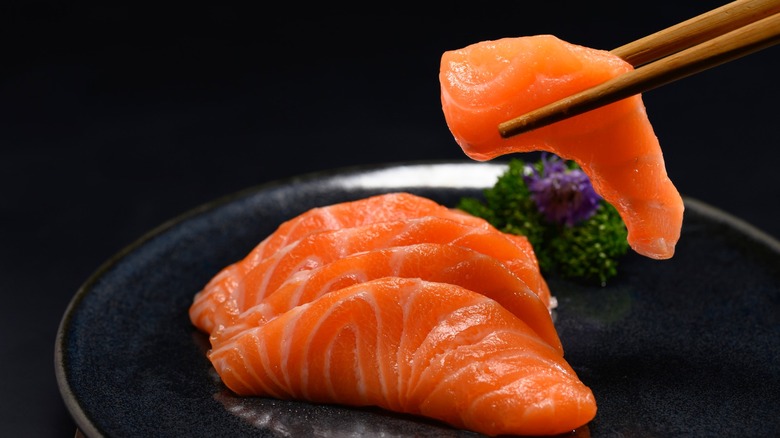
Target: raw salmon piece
column 214, row 307
column 490, row 82
column 372, row 209
column 377, row 208
column 428, row 261
column 408, row 345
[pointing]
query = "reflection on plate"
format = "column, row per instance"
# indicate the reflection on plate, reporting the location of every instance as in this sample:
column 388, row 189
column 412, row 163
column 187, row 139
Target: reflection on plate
column 687, row 346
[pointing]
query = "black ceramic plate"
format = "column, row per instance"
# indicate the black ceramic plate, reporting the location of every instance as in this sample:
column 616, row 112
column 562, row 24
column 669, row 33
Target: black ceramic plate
column 682, row 347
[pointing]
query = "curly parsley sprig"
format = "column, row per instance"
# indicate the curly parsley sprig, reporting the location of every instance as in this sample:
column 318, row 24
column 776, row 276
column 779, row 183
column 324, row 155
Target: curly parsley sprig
column 574, row 232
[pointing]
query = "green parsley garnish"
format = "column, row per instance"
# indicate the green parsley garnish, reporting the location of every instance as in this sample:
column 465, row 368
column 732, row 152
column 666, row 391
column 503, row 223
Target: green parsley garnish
column 574, row 232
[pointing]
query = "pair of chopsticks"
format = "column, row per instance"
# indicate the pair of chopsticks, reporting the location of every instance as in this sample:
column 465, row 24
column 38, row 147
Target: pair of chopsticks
column 713, row 38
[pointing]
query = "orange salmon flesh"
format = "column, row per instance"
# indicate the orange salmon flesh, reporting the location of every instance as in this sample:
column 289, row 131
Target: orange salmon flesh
column 490, row 82
column 418, row 308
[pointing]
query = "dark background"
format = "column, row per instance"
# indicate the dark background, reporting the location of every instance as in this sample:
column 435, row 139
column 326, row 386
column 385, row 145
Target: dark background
column 116, row 118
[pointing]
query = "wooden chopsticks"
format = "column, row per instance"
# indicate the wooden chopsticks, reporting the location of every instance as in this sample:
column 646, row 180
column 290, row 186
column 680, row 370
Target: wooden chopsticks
column 713, row 38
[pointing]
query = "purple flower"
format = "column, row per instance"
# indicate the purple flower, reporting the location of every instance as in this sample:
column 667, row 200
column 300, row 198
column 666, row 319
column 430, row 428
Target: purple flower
column 563, row 195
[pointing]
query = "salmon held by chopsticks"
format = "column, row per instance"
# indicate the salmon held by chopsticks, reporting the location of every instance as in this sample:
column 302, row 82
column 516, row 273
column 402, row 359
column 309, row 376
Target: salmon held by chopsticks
column 490, row 82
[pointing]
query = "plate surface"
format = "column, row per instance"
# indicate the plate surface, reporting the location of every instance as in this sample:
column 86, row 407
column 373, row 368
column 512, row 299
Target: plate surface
column 682, row 347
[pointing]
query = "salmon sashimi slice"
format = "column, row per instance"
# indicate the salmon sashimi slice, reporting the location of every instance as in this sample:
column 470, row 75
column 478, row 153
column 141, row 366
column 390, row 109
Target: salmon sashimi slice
column 372, row 209
column 428, row 261
column 424, row 348
column 218, row 306
column 490, row 82
column 378, row 208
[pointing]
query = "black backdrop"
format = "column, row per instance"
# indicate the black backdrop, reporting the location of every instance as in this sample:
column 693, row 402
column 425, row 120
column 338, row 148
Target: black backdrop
column 118, row 117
